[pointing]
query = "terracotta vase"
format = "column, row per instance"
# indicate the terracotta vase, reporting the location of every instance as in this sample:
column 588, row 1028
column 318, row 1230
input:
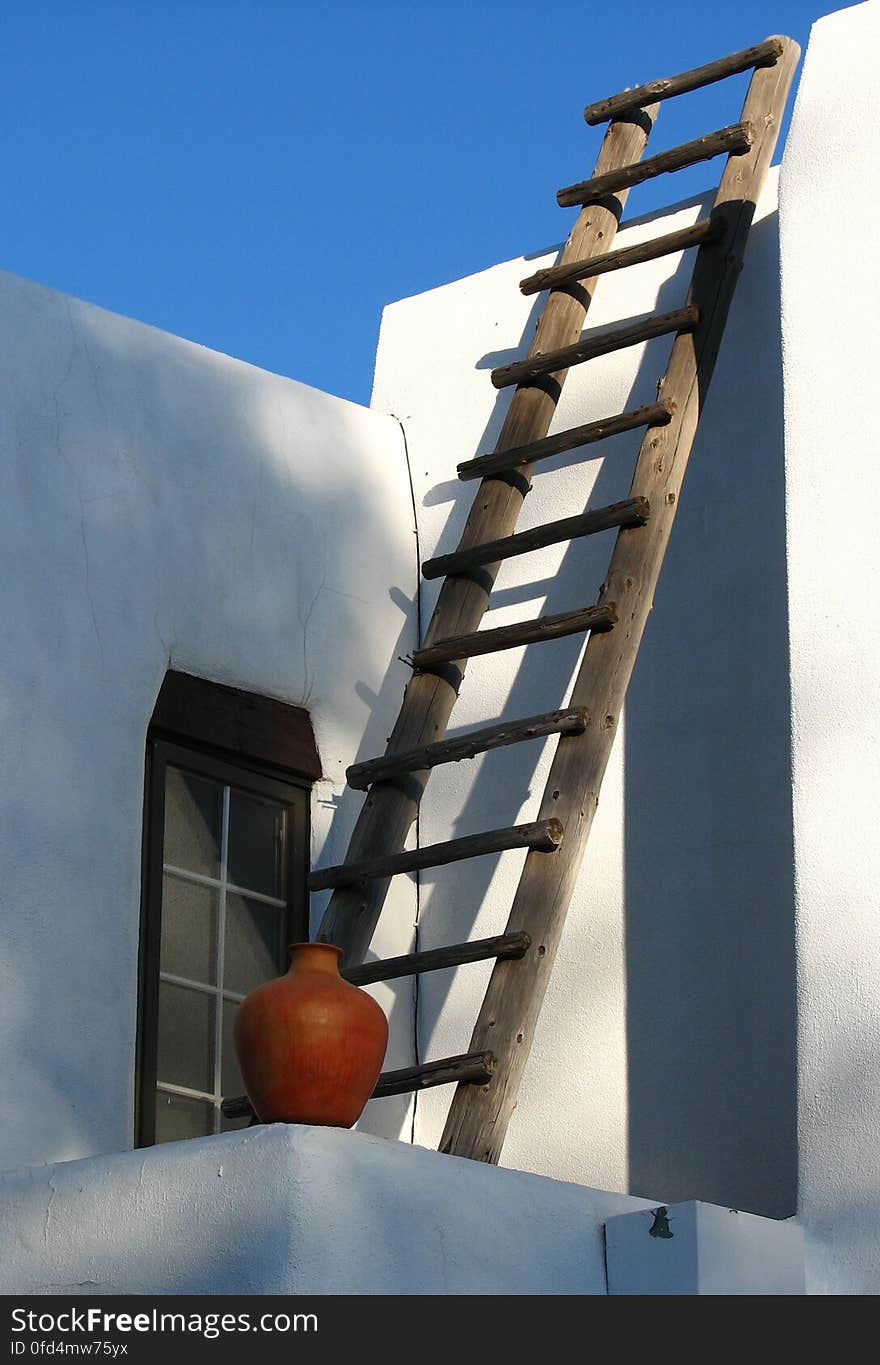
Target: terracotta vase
column 310, row 1045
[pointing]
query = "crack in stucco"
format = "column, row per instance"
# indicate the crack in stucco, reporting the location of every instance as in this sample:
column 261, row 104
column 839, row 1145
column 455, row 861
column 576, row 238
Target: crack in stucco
column 352, row 596
column 94, row 373
column 254, row 501
column 52, row 1286
column 164, row 643
column 65, row 458
column 304, row 621
column 46, row 1225
column 444, row 1263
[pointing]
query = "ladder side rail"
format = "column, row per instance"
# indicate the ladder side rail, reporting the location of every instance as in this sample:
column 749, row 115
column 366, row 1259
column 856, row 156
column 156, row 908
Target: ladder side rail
column 479, row 1116
column 388, row 812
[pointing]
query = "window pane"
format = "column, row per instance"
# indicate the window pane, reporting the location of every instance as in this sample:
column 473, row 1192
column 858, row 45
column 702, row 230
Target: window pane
column 178, row 1117
column 193, row 812
column 189, row 930
column 231, row 1081
column 250, row 954
column 255, row 834
column 186, row 1037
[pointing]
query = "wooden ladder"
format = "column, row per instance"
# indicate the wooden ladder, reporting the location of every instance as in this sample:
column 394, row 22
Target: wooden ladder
column 488, row 1075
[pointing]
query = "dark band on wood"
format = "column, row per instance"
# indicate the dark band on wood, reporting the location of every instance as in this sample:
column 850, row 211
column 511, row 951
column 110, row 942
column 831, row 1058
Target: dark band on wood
column 474, row 574
column 626, row 103
column 547, row 384
column 513, row 478
column 446, row 670
column 733, row 141
column 638, row 118
column 406, row 784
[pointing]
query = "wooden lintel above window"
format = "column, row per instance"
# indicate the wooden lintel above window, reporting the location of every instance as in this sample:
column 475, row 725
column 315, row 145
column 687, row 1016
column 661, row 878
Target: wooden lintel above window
column 240, row 723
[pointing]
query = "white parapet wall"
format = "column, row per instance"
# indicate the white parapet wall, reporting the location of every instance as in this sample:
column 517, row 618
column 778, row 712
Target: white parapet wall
column 165, row 506
column 831, row 344
column 294, row 1210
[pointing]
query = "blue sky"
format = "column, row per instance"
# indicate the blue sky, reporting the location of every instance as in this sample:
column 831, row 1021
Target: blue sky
column 262, row 177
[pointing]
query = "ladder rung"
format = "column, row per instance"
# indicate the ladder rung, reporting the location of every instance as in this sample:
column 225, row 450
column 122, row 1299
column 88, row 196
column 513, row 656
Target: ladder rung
column 543, row 835
column 632, row 512
column 484, row 466
column 502, row 946
column 706, row 230
column 570, row 722
column 522, row 633
column 762, row 54
column 471, row 1068
column 733, row 140
column 522, row 371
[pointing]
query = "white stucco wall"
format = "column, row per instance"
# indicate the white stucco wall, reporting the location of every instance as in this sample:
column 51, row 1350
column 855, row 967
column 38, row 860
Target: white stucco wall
column 164, row 506
column 665, row 1057
column 296, row 1210
column 712, row 1027
column 831, row 343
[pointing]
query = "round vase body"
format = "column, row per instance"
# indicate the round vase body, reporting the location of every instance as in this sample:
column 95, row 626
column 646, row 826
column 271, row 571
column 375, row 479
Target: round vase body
column 310, row 1045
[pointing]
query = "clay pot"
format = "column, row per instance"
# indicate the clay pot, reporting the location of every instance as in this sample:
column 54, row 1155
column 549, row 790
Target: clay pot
column 310, row 1045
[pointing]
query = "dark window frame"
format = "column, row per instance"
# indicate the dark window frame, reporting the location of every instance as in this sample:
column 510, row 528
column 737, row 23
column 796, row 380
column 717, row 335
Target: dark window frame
column 185, row 714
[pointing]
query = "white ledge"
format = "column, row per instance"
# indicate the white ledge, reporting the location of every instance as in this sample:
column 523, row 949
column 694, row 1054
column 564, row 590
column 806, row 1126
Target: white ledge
column 297, row 1210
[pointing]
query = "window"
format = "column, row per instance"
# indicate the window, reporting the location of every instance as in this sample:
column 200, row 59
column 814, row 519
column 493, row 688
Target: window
column 225, row 863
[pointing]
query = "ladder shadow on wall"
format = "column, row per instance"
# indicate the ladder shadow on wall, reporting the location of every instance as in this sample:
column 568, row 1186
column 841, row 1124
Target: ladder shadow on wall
column 708, row 891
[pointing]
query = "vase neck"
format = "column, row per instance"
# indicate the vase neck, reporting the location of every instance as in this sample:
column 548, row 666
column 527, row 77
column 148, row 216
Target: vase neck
column 315, row 957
